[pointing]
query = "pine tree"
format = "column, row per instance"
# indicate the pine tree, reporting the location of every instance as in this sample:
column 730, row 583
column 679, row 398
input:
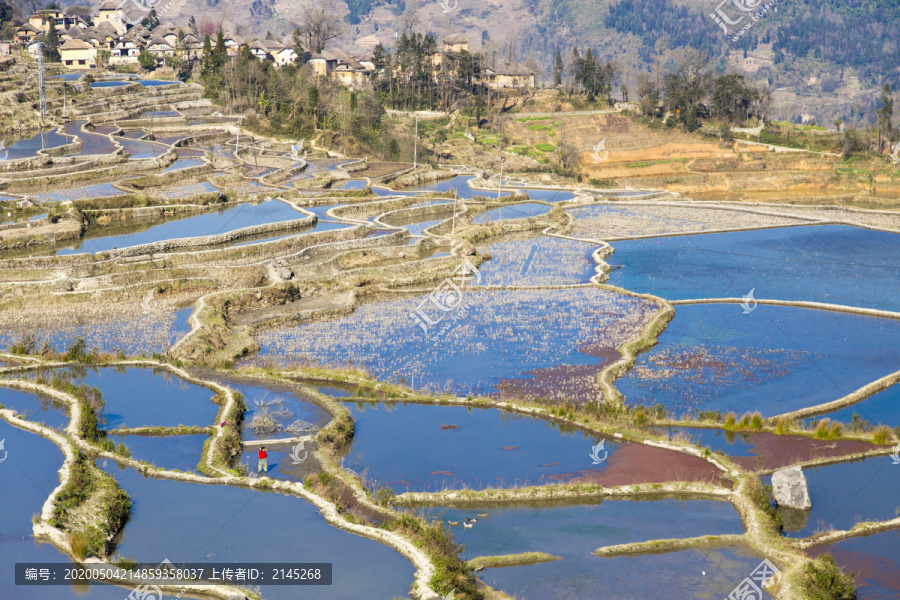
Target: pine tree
column 51, row 45
column 297, row 45
column 558, row 69
column 151, row 21
column 312, row 105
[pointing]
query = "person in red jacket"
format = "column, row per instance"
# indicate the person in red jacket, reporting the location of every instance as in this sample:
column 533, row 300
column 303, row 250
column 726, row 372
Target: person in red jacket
column 263, row 467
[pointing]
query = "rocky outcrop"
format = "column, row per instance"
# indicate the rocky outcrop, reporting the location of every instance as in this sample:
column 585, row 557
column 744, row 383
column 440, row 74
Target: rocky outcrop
column 789, row 488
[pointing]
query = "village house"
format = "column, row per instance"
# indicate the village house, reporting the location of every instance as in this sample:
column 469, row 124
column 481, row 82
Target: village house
column 456, row 44
column 260, row 51
column 77, row 54
column 27, row 33
column 110, row 13
column 512, row 75
column 285, row 56
column 126, row 50
column 42, row 20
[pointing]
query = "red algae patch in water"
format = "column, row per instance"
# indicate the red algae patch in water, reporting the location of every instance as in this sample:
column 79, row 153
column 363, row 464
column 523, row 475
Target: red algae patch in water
column 776, row 451
column 638, row 464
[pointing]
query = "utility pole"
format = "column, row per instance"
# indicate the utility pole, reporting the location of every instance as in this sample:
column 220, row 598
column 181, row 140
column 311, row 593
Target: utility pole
column 500, row 182
column 41, row 79
column 416, row 145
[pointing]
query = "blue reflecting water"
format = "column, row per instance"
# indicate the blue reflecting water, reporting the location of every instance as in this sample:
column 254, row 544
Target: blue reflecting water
column 182, row 324
column 93, row 143
column 775, row 359
column 881, row 408
column 67, row 76
column 30, row 146
column 549, row 195
column 30, row 471
column 139, row 397
column 156, row 82
column 138, row 149
column 513, row 211
column 567, row 529
column 847, row 493
column 543, row 342
column 159, row 113
column 181, row 452
column 403, row 446
column 108, row 84
column 707, row 574
column 183, row 163
column 320, row 211
column 574, row 532
column 211, row 523
column 210, row 223
column 537, row 261
column 838, row 264
column 419, row 228
column 38, row 408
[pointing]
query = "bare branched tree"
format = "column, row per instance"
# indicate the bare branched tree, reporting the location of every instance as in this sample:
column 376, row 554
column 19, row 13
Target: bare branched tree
column 319, row 23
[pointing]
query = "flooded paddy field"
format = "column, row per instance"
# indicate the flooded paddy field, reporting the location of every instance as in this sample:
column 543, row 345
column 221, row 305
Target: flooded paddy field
column 172, row 452
column 573, row 532
column 140, row 397
column 537, row 261
column 422, row 448
column 874, row 561
column 369, row 368
column 835, row 264
column 552, row 344
column 882, row 408
column 26, row 147
column 607, row 222
column 763, row 450
column 846, row 494
column 129, row 328
column 210, row 223
column 31, row 469
column 522, row 210
column 213, row 523
column 714, row 357
column 36, row 407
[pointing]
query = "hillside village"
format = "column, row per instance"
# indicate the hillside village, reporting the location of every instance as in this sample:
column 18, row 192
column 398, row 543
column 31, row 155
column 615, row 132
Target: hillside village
column 114, row 40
